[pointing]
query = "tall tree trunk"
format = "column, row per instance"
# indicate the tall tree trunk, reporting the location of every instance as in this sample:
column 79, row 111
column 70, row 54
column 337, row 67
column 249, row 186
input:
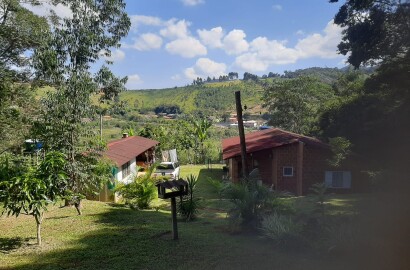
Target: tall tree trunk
column 39, row 219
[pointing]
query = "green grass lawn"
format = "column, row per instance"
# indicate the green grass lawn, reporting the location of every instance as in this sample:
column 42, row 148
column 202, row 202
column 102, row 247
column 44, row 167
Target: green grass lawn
column 111, row 236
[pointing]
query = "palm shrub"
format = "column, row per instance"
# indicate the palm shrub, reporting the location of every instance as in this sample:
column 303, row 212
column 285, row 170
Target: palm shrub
column 188, row 204
column 249, row 200
column 218, row 186
column 140, row 192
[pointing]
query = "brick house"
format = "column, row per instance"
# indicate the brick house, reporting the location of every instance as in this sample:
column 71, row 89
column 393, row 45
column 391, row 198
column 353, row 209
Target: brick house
column 288, row 162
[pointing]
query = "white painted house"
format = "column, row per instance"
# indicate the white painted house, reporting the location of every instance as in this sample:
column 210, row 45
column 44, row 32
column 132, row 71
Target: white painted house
column 128, row 153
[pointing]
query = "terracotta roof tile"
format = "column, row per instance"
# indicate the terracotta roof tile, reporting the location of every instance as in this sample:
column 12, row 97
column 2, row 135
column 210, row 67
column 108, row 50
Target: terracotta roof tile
column 123, row 150
column 265, row 139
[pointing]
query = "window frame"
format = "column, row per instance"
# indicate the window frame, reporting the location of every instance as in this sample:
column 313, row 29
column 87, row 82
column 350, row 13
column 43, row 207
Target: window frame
column 126, row 169
column 288, row 175
column 346, row 179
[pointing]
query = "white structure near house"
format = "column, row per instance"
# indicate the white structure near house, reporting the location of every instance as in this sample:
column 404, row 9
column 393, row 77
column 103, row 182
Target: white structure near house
column 250, row 124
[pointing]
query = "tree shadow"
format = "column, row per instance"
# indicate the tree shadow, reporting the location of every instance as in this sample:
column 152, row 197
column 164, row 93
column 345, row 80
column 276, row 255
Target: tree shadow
column 129, row 239
column 9, row 244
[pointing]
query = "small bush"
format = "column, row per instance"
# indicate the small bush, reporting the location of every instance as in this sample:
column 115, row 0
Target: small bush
column 188, row 205
column 140, row 192
column 280, row 228
column 250, row 201
column 218, row 186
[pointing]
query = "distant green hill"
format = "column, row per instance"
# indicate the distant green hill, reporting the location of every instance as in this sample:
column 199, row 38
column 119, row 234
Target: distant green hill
column 216, row 96
column 206, row 98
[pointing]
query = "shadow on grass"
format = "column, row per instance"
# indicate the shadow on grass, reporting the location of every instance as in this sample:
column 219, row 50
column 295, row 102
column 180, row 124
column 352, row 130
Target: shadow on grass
column 9, row 244
column 205, row 189
column 126, row 239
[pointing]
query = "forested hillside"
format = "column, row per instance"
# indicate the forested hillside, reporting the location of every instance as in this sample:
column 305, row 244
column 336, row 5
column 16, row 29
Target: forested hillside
column 214, row 97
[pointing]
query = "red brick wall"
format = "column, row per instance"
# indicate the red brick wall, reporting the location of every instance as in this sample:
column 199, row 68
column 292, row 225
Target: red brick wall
column 287, row 157
column 314, row 166
column 264, row 162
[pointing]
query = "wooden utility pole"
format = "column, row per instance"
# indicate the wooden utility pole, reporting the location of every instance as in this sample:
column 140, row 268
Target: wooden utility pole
column 241, row 133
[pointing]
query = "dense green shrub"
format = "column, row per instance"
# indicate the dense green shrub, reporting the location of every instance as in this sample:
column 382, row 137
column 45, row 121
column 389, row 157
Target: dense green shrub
column 140, row 192
column 250, row 200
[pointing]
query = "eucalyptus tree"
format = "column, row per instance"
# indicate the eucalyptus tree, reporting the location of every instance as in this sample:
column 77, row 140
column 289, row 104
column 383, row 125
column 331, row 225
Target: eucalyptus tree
column 75, row 45
column 20, row 32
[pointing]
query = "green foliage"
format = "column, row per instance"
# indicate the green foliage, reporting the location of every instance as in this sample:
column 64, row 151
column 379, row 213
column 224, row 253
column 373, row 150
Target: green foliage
column 20, row 30
column 374, row 30
column 218, row 186
column 294, row 104
column 201, row 127
column 319, row 192
column 64, row 61
column 188, row 205
column 280, row 228
column 250, row 201
column 31, row 189
column 169, row 109
column 140, row 192
column 340, row 148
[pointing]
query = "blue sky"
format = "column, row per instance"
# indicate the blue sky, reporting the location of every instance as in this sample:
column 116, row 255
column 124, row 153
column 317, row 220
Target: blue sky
column 171, row 42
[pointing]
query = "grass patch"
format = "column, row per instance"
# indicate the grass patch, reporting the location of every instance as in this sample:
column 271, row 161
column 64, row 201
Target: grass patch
column 111, row 236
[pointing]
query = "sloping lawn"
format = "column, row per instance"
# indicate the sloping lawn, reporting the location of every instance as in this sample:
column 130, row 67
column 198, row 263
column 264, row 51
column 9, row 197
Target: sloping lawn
column 110, row 236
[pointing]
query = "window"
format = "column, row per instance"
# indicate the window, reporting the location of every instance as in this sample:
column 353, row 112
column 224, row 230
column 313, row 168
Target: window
column 288, row 171
column 126, row 170
column 338, row 179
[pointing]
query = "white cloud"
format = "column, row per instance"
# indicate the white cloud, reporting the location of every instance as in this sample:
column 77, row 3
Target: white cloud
column 205, row 67
column 137, row 20
column 116, row 55
column 251, row 62
column 212, row 38
column 300, row 32
column 175, row 29
column 133, row 81
column 187, row 47
column 44, row 9
column 235, row 43
column 192, row 2
column 146, row 42
column 263, row 52
column 176, row 77
column 321, row 45
column 277, row 7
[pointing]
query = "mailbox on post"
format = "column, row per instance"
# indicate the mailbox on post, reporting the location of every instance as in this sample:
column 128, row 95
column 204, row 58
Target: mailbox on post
column 172, row 189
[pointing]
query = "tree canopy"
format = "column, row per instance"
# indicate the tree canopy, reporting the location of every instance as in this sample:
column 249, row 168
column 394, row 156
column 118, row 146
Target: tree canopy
column 64, row 61
column 374, row 30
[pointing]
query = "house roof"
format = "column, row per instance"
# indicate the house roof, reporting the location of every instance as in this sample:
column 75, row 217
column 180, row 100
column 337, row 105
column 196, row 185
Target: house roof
column 265, row 139
column 123, row 150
